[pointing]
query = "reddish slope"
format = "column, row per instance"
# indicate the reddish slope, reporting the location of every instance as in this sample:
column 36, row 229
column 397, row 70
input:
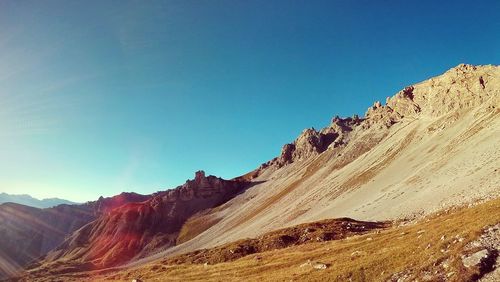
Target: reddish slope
column 138, row 229
column 27, row 233
column 105, row 205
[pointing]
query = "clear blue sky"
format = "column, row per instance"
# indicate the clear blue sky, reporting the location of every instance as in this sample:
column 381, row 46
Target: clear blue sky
column 99, row 97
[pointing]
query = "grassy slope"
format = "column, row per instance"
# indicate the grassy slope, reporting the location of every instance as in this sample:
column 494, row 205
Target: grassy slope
column 392, row 251
column 415, row 250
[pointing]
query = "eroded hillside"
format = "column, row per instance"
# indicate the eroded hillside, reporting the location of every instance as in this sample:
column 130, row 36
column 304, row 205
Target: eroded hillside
column 136, row 230
column 27, row 233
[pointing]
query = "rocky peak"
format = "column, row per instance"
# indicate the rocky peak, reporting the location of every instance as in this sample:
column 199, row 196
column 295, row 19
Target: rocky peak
column 396, row 108
column 201, row 186
column 462, row 68
column 308, row 142
column 312, row 142
column 199, row 175
column 343, row 124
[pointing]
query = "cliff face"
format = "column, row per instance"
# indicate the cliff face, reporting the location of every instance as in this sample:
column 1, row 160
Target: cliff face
column 137, row 229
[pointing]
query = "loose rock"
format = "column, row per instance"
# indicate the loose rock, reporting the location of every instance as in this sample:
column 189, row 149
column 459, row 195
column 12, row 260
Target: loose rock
column 475, row 258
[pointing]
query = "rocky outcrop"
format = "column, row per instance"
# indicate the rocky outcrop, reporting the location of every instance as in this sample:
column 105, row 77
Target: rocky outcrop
column 459, row 89
column 396, row 108
column 312, row 142
column 137, row 229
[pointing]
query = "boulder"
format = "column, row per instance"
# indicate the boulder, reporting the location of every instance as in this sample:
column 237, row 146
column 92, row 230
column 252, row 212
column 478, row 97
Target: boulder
column 314, row 264
column 475, row 258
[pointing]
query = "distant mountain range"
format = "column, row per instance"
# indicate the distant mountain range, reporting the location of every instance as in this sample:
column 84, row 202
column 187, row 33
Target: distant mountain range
column 27, row 200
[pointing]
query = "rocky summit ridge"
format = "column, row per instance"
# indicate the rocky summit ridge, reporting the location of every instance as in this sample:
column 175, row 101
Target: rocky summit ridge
column 460, row 88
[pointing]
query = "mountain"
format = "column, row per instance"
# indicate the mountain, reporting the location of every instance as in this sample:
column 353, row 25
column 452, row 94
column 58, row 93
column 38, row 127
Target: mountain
column 432, row 146
column 27, row 200
column 27, row 233
column 136, row 230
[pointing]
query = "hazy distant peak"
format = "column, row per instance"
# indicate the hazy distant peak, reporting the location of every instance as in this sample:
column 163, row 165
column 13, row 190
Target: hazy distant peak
column 28, row 200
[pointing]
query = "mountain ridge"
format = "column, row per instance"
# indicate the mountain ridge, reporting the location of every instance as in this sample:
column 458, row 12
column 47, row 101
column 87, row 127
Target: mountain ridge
column 139, row 228
column 27, row 200
column 407, row 103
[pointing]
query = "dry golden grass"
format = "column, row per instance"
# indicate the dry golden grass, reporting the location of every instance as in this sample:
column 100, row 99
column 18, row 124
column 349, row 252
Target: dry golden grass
column 319, row 231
